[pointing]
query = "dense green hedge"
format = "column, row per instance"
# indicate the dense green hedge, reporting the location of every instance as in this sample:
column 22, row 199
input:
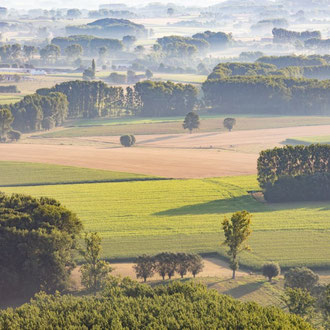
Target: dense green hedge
column 292, row 161
column 129, row 305
column 314, row 187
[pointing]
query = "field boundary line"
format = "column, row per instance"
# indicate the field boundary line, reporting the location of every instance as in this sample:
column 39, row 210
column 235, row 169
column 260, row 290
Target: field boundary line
column 84, row 182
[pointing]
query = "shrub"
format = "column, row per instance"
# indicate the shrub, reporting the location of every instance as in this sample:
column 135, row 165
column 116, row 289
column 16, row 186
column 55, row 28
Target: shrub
column 127, row 140
column 270, row 270
column 14, row 135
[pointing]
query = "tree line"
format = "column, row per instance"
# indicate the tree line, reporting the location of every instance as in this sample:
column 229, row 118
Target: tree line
column 267, row 95
column 167, row 263
column 295, row 173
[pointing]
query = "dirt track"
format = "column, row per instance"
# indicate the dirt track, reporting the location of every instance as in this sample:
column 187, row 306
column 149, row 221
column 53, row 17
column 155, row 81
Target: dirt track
column 178, row 156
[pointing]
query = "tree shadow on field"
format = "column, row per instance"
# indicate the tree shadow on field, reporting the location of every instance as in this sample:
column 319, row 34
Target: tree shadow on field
column 217, row 206
column 246, row 202
column 244, row 289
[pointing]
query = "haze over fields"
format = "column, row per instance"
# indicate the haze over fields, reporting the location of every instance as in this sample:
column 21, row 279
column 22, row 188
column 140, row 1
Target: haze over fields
column 182, row 144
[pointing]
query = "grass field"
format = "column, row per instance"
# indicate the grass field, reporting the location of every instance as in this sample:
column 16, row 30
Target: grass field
column 185, row 215
column 173, row 125
column 17, row 173
column 309, row 140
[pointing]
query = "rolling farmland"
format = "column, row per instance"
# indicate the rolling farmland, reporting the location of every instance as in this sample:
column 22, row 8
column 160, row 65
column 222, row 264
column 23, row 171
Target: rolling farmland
column 185, row 215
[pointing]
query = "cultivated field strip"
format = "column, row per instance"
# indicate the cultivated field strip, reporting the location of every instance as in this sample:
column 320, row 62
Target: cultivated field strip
column 185, row 215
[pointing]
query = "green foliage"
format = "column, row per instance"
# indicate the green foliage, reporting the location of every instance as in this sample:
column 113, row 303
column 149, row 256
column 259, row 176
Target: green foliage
column 292, row 161
column 267, row 95
column 129, row 305
column 50, row 53
column 300, row 278
column 177, row 46
column 6, row 119
column 314, row 187
column 299, row 301
column 165, row 98
column 88, row 99
column 144, row 267
column 292, row 60
column 94, row 271
column 229, row 123
column 89, row 44
column 37, row 237
column 270, row 270
column 236, row 230
column 217, row 40
column 191, row 121
column 127, row 140
column 34, row 111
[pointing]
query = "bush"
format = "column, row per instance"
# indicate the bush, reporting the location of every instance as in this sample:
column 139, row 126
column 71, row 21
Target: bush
column 14, row 135
column 270, row 270
column 300, row 277
column 127, row 140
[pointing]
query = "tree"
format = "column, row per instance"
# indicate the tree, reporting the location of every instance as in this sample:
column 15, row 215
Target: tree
column 270, row 270
column 129, row 41
column 37, row 240
column 170, row 11
column 29, row 51
column 48, row 123
column 94, row 271
column 229, row 123
column 298, row 301
column 196, row 264
column 300, row 278
column 103, row 51
column 127, row 140
column 236, row 230
column 191, row 121
column 73, row 51
column 50, row 53
column 144, row 267
column 6, row 119
column 325, row 306
column 183, row 263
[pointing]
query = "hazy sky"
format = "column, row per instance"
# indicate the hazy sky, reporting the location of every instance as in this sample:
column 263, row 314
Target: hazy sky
column 93, row 4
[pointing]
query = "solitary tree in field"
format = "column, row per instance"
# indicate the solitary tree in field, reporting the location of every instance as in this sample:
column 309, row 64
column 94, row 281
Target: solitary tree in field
column 127, row 140
column 191, row 121
column 145, row 266
column 236, row 230
column 229, row 123
column 95, row 271
column 270, row 270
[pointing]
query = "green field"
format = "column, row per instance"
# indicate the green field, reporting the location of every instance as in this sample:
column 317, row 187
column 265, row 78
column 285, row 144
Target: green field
column 309, row 140
column 19, row 173
column 173, row 125
column 10, row 98
column 185, row 215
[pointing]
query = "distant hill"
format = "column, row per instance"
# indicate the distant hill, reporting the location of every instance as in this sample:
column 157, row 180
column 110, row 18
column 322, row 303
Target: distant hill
column 109, row 27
